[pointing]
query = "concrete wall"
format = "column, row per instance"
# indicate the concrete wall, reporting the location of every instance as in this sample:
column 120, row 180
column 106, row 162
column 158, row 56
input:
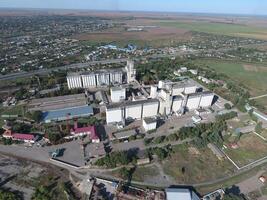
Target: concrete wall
column 114, row 115
column 150, row 110
column 177, row 104
column 133, row 112
column 206, row 100
column 89, row 80
column 193, row 102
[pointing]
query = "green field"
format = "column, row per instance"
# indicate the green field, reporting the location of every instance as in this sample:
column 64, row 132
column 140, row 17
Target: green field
column 198, row 168
column 246, row 152
column 219, row 28
column 253, row 76
column 263, row 102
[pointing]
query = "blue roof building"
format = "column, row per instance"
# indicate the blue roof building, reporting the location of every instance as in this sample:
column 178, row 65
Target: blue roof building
column 67, row 113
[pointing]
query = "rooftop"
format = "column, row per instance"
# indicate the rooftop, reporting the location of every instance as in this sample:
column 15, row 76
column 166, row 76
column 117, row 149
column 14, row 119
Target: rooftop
column 63, row 114
column 131, row 103
column 22, row 136
column 125, row 134
column 149, row 120
column 60, row 102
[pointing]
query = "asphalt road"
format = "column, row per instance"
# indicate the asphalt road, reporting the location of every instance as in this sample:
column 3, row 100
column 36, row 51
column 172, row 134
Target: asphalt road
column 46, row 71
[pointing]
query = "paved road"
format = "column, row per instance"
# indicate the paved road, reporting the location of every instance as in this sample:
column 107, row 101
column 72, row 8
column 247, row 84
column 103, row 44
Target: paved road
column 46, row 71
column 257, row 97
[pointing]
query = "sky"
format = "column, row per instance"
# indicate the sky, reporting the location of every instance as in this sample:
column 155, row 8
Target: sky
column 251, row 7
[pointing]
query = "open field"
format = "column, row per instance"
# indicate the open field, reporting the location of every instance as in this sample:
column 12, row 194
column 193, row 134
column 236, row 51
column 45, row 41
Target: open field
column 253, row 76
column 189, row 167
column 251, row 148
column 156, row 36
column 263, row 102
column 143, row 173
column 231, row 29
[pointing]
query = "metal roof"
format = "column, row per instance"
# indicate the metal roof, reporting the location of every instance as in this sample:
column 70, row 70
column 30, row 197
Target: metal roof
column 63, row 114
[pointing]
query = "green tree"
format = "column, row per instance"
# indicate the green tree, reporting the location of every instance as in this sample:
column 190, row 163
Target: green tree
column 6, row 195
column 227, row 106
column 37, row 116
column 233, row 197
column 258, row 127
column 41, row 193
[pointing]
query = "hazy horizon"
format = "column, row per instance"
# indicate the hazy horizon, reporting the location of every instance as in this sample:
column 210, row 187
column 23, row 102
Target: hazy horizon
column 237, row 7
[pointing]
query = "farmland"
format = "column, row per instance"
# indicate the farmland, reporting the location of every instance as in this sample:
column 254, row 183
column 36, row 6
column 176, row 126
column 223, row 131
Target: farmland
column 157, row 36
column 252, row 76
column 231, row 29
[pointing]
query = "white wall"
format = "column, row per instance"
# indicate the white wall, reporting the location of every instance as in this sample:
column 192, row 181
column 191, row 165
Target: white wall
column 89, row 80
column 133, row 112
column 118, row 95
column 206, row 100
column 193, row 102
column 114, row 115
column 150, row 110
column 177, row 105
column 74, row 81
column 190, row 90
column 149, row 127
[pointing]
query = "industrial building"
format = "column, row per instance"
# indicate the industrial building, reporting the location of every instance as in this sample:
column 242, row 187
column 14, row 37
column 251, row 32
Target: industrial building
column 55, row 103
column 180, row 193
column 165, row 99
column 131, row 110
column 117, row 94
column 102, row 77
column 67, row 113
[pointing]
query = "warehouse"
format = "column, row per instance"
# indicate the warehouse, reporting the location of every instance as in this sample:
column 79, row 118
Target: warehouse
column 180, row 194
column 67, row 113
column 55, row 103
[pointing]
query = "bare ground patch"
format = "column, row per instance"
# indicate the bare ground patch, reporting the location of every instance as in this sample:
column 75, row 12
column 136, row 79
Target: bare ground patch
column 254, row 68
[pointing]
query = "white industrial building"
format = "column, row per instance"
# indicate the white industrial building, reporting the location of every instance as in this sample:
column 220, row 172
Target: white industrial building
column 130, row 71
column 149, row 124
column 131, row 110
column 150, row 108
column 114, row 114
column 88, row 80
column 193, row 101
column 74, row 81
column 206, row 99
column 102, row 77
column 117, row 94
column 177, row 103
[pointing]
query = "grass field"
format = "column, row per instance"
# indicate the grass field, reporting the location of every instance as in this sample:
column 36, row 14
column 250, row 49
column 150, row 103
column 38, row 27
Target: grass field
column 142, row 173
column 263, row 102
column 198, row 168
column 219, row 28
column 251, row 148
column 253, row 76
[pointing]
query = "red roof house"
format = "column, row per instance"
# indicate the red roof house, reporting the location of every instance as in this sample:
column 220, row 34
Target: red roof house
column 84, row 131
